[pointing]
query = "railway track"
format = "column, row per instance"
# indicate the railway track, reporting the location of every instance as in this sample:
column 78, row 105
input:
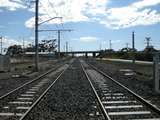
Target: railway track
column 113, row 100
column 71, row 98
column 116, row 101
column 16, row 104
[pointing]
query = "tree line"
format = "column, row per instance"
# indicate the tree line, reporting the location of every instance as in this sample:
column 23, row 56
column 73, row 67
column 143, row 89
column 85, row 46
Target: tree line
column 44, row 46
column 128, row 53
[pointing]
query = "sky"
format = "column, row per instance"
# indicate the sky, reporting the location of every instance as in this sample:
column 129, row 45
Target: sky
column 94, row 22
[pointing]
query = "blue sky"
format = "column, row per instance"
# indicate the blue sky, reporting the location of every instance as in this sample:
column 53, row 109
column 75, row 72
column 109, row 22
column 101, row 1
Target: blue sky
column 94, row 22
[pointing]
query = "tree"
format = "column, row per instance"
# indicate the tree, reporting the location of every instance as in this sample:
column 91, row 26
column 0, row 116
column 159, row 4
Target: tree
column 48, row 46
column 30, row 48
column 126, row 49
column 14, row 50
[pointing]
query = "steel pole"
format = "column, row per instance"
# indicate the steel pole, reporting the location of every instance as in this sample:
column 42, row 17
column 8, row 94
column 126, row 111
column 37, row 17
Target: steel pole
column 1, row 44
column 36, row 35
column 133, row 47
column 59, row 34
column 66, row 46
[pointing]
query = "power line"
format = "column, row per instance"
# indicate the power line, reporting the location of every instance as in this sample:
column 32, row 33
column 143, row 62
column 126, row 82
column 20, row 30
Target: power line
column 47, row 13
column 49, row 20
column 52, row 7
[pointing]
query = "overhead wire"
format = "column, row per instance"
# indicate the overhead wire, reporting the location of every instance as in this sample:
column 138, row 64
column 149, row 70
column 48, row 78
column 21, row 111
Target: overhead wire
column 60, row 14
column 48, row 16
column 54, row 10
column 46, row 11
column 56, row 13
column 65, row 36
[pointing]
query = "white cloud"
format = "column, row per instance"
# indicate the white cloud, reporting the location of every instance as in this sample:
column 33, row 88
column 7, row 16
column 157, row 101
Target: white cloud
column 70, row 10
column 88, row 39
column 145, row 3
column 132, row 15
column 7, row 41
column 11, row 5
column 137, row 13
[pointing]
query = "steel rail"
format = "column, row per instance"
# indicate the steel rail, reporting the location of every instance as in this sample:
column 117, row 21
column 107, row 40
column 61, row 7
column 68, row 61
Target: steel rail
column 43, row 94
column 105, row 114
column 150, row 105
column 25, row 84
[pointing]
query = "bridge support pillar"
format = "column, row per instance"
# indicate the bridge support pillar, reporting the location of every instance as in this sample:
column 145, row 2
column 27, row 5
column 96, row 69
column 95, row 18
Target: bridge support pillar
column 94, row 54
column 86, row 55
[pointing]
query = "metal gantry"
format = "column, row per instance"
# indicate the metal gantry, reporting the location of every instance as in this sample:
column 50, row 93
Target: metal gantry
column 59, row 36
column 37, row 33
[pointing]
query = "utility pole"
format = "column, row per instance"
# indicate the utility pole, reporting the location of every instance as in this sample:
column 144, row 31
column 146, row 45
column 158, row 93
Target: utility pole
column 133, row 47
column 1, row 44
column 36, row 35
column 148, row 39
column 100, row 46
column 23, row 49
column 110, row 44
column 59, row 44
column 127, row 45
column 59, row 36
column 23, row 43
column 66, row 46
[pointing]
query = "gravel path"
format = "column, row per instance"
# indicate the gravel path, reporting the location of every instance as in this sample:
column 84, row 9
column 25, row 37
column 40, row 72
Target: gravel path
column 71, row 98
column 138, row 85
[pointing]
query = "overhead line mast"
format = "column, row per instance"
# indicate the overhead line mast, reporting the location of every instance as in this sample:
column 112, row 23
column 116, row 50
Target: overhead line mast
column 133, row 47
column 36, row 35
column 59, row 36
column 1, row 44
